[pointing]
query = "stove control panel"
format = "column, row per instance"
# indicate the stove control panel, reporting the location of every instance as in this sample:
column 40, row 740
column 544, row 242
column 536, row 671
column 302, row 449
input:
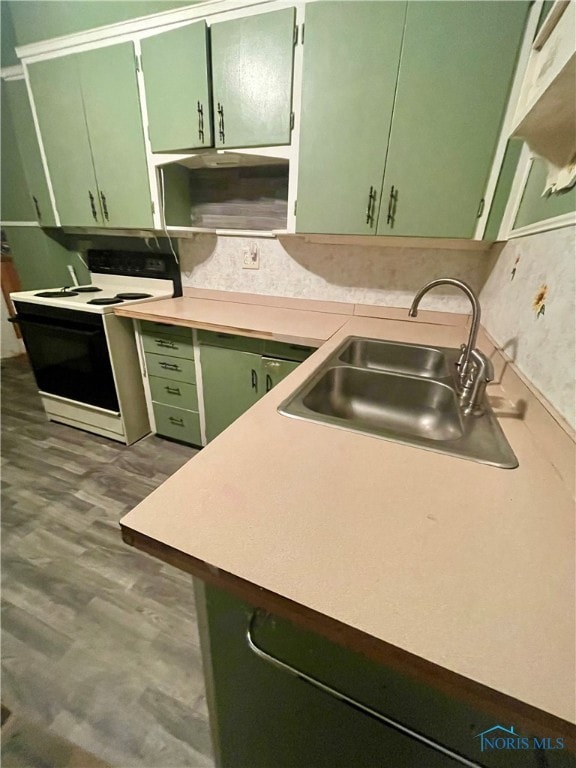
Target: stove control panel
column 132, row 263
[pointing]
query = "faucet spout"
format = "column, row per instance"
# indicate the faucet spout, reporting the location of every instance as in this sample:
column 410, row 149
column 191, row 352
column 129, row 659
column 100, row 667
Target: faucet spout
column 467, row 351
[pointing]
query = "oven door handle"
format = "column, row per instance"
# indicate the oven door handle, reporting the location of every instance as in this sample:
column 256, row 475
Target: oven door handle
column 65, row 328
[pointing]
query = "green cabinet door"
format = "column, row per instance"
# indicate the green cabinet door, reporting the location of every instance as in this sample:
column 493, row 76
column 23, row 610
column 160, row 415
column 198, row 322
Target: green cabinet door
column 27, row 142
column 175, row 66
column 59, row 106
column 274, row 371
column 14, row 198
column 232, row 382
column 455, row 74
column 252, row 62
column 536, row 206
column 110, row 92
column 351, row 57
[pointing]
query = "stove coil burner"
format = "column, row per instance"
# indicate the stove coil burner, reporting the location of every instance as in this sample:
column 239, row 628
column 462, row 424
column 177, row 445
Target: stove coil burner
column 88, row 289
column 62, row 294
column 104, row 302
column 129, row 296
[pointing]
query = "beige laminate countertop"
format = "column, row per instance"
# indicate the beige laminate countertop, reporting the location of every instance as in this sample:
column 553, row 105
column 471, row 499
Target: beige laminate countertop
column 466, row 567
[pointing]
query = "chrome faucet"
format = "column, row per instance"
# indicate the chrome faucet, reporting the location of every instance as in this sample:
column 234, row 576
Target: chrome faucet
column 474, row 368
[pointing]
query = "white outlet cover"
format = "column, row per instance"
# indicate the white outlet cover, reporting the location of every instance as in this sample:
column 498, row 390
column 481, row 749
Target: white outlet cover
column 251, row 256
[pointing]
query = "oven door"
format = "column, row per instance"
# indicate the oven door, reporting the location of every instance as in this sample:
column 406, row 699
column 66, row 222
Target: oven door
column 69, row 354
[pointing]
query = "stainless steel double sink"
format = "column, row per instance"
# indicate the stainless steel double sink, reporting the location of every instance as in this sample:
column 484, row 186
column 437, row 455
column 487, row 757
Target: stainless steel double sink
column 401, row 392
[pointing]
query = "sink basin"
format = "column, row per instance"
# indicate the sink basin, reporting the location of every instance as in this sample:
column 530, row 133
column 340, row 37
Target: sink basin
column 391, row 356
column 387, row 401
column 400, row 392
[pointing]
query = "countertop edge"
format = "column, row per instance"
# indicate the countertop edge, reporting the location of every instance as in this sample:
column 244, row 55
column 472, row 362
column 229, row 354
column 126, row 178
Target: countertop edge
column 451, row 683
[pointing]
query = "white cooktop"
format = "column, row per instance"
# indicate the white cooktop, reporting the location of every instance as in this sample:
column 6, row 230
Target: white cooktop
column 110, row 286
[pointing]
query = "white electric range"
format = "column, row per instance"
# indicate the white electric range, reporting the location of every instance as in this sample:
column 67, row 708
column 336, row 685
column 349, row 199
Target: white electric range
column 83, row 356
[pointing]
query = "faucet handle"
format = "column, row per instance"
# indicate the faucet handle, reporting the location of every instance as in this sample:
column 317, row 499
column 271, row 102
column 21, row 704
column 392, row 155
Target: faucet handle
column 484, row 364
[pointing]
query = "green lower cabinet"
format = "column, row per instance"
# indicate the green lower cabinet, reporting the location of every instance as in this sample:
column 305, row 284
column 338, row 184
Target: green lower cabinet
column 266, row 717
column 232, row 382
column 177, row 423
column 237, row 371
column 168, row 367
column 275, row 370
column 174, row 393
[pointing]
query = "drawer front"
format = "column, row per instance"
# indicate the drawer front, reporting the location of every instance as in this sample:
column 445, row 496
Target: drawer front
column 284, row 351
column 167, row 367
column 177, row 423
column 229, row 341
column 176, row 393
column 175, row 346
column 166, row 329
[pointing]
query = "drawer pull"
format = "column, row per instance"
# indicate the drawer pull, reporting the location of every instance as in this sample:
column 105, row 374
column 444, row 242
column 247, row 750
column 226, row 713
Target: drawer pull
column 177, row 422
column 170, row 366
column 172, row 390
column 345, row 699
column 165, row 343
column 269, row 383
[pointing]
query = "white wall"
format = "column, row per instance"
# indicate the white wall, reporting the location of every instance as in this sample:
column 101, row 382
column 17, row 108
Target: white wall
column 357, row 274
column 541, row 343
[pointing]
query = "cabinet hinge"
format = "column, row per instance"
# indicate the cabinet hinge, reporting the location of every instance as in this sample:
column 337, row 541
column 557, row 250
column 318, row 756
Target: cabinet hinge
column 480, row 209
column 302, row 35
column 295, row 40
column 153, row 207
column 291, row 121
column 138, row 61
column 295, row 206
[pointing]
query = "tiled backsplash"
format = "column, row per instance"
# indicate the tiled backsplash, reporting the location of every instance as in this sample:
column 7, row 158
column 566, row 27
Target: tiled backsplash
column 528, row 308
column 356, row 274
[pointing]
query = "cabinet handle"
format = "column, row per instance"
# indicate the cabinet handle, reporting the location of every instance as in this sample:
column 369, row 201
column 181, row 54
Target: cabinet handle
column 224, row 335
column 174, row 420
column 172, row 390
column 371, row 206
column 37, row 208
column 104, row 206
column 269, row 383
column 200, row 122
column 220, row 111
column 170, row 366
column 254, row 380
column 392, row 202
column 345, row 699
column 93, row 205
column 480, row 209
column 165, row 343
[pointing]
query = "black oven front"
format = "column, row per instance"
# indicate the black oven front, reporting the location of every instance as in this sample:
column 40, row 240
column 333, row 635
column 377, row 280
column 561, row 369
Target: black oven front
column 68, row 353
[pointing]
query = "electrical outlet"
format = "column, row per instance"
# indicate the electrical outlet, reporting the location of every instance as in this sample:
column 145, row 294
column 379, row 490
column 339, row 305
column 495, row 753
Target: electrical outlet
column 251, row 256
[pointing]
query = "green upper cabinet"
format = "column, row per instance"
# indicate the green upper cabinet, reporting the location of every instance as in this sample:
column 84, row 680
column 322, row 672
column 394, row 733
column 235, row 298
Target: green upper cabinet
column 252, row 62
column 16, row 203
column 176, row 78
column 402, row 107
column 456, row 70
column 89, row 117
column 57, row 93
column 536, row 205
column 351, row 58
column 27, row 142
column 112, row 106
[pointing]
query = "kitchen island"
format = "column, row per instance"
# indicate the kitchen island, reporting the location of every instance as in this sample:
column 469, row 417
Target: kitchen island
column 455, row 574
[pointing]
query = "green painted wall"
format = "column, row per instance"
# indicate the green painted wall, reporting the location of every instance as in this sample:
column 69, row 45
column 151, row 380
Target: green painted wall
column 8, row 57
column 40, row 260
column 535, row 206
column 36, row 20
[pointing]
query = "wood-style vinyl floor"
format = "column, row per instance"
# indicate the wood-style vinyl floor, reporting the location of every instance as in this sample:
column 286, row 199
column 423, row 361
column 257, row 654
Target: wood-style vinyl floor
column 99, row 641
